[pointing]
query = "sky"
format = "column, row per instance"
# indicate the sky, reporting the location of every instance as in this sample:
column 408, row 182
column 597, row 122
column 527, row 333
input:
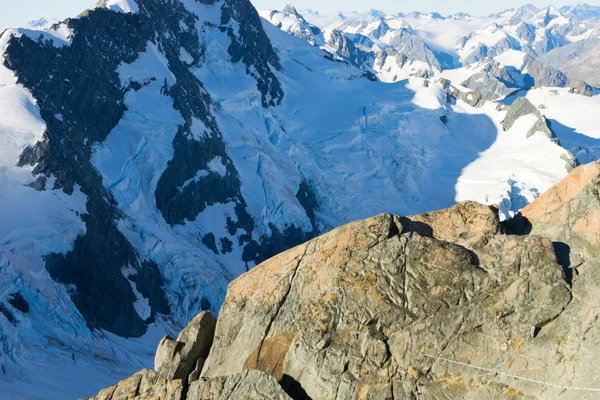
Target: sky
column 19, row 12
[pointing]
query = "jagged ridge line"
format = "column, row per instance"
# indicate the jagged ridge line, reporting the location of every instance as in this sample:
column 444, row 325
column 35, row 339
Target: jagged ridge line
column 514, row 376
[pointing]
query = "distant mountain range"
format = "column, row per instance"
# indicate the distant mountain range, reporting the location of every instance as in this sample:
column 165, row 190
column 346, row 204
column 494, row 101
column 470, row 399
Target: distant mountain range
column 394, row 47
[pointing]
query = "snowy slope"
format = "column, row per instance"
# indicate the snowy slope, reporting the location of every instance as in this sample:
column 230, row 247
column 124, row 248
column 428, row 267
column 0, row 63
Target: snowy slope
column 291, row 21
column 217, row 154
column 515, row 168
column 574, row 119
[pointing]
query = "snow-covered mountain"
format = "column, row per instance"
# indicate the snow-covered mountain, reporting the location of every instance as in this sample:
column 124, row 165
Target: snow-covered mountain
column 152, row 151
column 387, row 48
column 580, row 60
column 430, row 42
column 291, row 21
column 534, row 31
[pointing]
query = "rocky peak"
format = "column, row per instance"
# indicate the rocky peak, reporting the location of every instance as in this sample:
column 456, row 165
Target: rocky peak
column 522, row 107
column 449, row 304
column 376, row 14
column 525, row 11
column 290, row 9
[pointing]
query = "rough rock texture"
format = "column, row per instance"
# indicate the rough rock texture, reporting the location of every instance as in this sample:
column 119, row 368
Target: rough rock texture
column 346, row 49
column 177, row 359
column 451, row 304
column 542, row 125
column 489, row 85
column 493, row 82
column 341, row 314
column 249, row 384
column 519, row 108
column 582, row 88
column 474, row 99
column 143, row 385
column 522, row 107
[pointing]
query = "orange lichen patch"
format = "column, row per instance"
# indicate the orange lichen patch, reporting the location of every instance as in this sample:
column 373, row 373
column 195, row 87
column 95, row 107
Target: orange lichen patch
column 272, row 276
column 589, row 226
column 513, row 393
column 414, row 373
column 174, row 385
column 438, row 289
column 327, row 298
column 453, row 382
column 518, row 340
column 355, row 283
column 269, row 355
column 363, row 392
column 320, row 314
column 362, row 241
column 370, row 277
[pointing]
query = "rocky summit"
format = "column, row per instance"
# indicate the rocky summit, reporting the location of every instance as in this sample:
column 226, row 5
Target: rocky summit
column 452, row 304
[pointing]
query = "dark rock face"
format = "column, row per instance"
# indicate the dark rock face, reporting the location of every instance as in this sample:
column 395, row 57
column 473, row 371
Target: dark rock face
column 346, row 49
column 270, row 245
column 253, row 48
column 18, row 301
column 8, row 314
column 308, row 200
column 80, row 84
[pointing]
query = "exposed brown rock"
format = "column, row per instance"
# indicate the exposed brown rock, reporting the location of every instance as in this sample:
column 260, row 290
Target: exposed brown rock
column 270, row 355
column 570, row 212
column 375, row 303
column 466, row 224
column 144, row 385
column 443, row 305
column 249, row 384
column 177, row 359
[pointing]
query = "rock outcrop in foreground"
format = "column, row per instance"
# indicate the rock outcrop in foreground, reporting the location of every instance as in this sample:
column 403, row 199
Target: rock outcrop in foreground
column 448, row 304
